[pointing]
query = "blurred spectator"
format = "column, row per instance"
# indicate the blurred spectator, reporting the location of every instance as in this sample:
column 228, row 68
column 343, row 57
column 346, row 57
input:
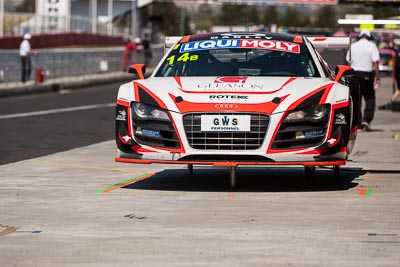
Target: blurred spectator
column 363, row 57
column 147, row 49
column 391, row 45
column 396, row 73
column 134, row 46
column 25, row 52
column 383, row 45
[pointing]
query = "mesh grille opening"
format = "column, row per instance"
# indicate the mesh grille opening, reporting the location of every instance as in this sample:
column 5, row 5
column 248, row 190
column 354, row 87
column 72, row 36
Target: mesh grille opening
column 226, row 140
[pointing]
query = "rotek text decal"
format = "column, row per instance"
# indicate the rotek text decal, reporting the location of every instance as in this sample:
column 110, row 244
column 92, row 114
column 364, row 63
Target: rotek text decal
column 229, row 43
column 238, row 97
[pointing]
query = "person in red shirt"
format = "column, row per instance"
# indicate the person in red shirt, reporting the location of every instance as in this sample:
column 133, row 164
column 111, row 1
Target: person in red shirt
column 134, row 46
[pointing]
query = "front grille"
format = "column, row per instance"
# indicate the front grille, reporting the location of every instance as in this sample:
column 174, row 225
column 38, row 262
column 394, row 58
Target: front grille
column 225, row 140
column 227, row 157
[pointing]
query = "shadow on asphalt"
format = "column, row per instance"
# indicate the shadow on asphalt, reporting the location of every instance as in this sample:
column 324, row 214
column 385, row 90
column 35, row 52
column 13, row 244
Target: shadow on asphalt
column 375, row 130
column 384, row 171
column 250, row 179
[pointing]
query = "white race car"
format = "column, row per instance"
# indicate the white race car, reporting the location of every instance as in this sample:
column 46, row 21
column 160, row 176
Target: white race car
column 240, row 98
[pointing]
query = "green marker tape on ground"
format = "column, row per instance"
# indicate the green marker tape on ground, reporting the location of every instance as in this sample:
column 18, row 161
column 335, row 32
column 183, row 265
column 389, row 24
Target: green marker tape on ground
column 368, row 192
column 126, row 182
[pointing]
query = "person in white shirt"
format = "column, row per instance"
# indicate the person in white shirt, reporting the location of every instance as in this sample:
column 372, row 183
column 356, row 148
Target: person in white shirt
column 363, row 57
column 25, row 52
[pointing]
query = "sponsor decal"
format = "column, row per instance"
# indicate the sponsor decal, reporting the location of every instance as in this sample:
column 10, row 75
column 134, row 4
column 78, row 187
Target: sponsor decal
column 309, row 134
column 232, row 43
column 229, row 86
column 226, row 106
column 240, row 35
column 231, row 79
column 230, row 123
column 331, row 141
column 121, row 115
column 209, row 44
column 148, row 132
column 313, row 133
column 271, row 45
column 237, row 97
column 126, row 138
column 225, row 128
column 340, row 119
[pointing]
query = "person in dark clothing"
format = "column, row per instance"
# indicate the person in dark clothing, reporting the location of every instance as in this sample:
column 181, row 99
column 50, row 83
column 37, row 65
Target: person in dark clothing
column 146, row 49
column 396, row 70
column 364, row 60
column 25, row 52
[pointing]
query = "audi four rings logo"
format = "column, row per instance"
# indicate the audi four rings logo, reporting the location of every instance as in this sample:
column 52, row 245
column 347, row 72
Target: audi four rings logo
column 226, row 106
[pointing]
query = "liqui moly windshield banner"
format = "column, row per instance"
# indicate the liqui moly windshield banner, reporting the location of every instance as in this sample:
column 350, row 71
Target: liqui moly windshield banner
column 231, row 43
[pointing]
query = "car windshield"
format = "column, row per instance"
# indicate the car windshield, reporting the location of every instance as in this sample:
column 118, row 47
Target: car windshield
column 237, row 62
column 385, row 58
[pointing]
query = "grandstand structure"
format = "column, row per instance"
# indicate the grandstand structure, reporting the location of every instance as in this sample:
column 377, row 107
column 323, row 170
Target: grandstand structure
column 88, row 16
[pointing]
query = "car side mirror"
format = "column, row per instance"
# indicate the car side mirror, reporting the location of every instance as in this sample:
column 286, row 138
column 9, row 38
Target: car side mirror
column 342, row 71
column 139, row 69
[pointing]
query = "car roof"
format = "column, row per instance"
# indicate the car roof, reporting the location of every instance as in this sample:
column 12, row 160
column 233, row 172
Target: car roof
column 386, row 51
column 243, row 35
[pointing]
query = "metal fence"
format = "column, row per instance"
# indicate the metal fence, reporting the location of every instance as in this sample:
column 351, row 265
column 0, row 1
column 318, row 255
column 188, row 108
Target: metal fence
column 16, row 24
column 72, row 62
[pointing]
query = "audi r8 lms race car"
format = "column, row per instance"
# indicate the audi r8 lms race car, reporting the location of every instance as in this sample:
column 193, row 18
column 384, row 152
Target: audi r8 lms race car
column 240, row 98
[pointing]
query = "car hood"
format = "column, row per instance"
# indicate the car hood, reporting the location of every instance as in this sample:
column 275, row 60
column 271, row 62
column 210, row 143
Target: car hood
column 244, row 94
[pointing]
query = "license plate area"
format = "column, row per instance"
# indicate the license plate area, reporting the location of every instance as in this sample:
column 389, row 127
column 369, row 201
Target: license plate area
column 225, row 123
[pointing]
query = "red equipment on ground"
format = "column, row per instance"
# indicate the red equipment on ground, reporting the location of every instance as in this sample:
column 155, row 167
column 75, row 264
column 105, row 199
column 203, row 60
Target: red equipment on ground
column 39, row 75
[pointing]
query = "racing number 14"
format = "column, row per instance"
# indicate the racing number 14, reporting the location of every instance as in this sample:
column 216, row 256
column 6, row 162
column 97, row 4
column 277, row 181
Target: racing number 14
column 184, row 57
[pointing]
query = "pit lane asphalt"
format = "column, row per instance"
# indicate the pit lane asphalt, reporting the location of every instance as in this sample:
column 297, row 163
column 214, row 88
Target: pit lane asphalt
column 81, row 208
column 35, row 125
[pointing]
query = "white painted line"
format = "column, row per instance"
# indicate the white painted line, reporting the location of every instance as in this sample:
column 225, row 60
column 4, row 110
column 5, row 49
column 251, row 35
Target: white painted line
column 53, row 111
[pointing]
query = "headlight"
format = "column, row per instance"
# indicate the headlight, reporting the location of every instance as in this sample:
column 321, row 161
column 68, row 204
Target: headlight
column 146, row 112
column 295, row 116
column 318, row 112
column 315, row 113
